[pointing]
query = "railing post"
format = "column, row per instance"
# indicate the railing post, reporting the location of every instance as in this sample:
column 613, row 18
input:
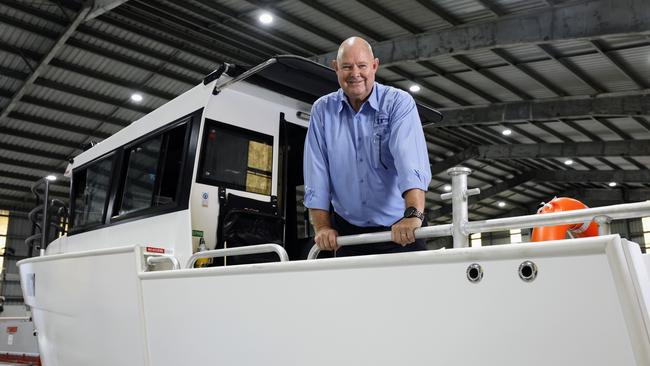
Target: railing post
column 459, row 195
column 46, row 224
column 604, row 224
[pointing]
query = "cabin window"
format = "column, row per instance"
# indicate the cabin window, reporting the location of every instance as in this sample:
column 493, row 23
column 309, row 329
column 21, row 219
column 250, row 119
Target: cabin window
column 152, row 171
column 90, row 192
column 236, row 158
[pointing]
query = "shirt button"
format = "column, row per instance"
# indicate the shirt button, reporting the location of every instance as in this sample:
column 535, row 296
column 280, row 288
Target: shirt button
column 360, row 180
column 361, row 160
column 363, row 202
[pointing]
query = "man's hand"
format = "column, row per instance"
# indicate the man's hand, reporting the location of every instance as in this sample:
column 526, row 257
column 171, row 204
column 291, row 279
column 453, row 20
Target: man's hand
column 403, row 232
column 326, row 238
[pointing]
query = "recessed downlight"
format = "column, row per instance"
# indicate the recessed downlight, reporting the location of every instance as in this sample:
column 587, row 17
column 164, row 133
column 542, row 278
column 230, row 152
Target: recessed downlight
column 568, row 162
column 447, row 188
column 506, row 132
column 414, row 88
column 501, row 204
column 136, row 97
column 265, row 18
column 612, row 184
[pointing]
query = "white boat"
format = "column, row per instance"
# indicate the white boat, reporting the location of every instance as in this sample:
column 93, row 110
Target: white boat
column 122, row 288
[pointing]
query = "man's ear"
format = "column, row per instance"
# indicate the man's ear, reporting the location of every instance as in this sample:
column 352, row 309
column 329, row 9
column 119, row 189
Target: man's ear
column 335, row 65
column 375, row 63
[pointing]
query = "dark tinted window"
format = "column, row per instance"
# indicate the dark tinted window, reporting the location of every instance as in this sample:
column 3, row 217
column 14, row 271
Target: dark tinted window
column 236, row 158
column 152, row 171
column 91, row 188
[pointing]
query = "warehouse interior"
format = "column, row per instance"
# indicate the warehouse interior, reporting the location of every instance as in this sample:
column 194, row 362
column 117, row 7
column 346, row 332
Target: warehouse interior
column 539, row 98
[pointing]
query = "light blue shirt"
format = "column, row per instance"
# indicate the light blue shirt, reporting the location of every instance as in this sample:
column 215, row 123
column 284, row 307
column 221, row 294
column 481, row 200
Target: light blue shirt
column 362, row 162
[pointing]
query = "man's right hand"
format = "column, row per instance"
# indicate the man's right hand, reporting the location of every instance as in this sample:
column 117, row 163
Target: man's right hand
column 326, row 239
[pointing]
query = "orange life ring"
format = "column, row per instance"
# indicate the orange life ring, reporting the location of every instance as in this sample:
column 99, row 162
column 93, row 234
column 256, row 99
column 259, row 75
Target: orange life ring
column 559, row 204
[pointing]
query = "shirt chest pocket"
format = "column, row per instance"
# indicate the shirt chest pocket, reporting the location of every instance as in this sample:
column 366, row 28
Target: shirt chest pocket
column 380, row 141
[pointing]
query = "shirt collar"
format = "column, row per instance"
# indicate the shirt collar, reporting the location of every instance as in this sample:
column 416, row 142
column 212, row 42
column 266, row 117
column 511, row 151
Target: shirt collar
column 373, row 100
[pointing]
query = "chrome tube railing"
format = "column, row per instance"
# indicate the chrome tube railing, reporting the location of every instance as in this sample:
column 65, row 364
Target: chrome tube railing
column 251, row 249
column 614, row 212
column 421, row 233
column 606, row 213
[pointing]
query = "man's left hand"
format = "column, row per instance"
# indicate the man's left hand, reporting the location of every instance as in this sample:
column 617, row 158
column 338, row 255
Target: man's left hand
column 403, row 232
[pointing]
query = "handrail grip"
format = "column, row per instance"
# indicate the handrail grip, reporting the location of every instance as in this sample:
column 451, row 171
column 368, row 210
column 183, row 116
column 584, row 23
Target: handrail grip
column 250, row 249
column 614, row 212
column 14, row 318
column 164, row 258
column 379, row 237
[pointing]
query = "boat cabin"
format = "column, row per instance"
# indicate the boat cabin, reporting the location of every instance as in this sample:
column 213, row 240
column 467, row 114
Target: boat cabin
column 222, row 162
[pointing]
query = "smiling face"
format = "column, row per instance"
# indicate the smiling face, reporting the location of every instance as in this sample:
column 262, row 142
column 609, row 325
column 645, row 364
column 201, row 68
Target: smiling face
column 355, row 68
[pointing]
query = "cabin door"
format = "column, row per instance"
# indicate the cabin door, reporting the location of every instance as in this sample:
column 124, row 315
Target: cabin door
column 298, row 231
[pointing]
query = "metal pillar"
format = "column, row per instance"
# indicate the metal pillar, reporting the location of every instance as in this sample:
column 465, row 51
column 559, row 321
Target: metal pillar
column 459, row 194
column 46, row 218
column 604, row 227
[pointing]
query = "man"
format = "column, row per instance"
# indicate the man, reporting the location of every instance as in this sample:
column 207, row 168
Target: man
column 365, row 154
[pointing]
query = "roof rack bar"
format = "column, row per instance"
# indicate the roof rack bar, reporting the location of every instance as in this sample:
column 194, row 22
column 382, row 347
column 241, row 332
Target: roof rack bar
column 251, row 71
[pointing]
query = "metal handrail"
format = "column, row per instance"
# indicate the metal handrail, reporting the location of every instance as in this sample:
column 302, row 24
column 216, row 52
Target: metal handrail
column 251, row 249
column 164, row 258
column 614, row 212
column 14, row 318
column 383, row 236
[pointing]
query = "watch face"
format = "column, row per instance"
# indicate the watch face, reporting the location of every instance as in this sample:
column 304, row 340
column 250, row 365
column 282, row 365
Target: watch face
column 410, row 211
column 413, row 212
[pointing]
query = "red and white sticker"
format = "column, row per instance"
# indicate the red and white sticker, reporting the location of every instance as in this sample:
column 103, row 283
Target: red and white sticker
column 155, row 250
column 12, row 330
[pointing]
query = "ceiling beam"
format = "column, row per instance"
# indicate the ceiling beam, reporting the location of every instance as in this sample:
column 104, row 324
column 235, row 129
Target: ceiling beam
column 594, row 176
column 633, row 105
column 611, row 196
column 76, row 91
column 576, row 20
column 102, row 6
column 545, row 151
column 38, row 70
column 492, row 7
column 85, row 71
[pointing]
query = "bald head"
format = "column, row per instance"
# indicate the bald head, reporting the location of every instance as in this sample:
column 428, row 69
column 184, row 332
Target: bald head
column 355, row 67
column 355, row 44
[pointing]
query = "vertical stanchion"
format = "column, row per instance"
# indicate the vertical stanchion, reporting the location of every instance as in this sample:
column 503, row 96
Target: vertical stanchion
column 604, row 224
column 46, row 219
column 459, row 194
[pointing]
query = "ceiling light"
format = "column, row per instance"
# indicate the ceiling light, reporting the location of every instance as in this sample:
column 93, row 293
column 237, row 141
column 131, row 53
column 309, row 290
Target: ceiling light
column 414, row 88
column 506, row 132
column 136, row 97
column 447, row 188
column 501, row 204
column 51, row 178
column 568, row 162
column 266, row 18
column 612, row 184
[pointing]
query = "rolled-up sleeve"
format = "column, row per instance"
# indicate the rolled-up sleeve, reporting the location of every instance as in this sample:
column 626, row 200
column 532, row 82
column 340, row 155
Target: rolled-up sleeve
column 316, row 165
column 408, row 145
